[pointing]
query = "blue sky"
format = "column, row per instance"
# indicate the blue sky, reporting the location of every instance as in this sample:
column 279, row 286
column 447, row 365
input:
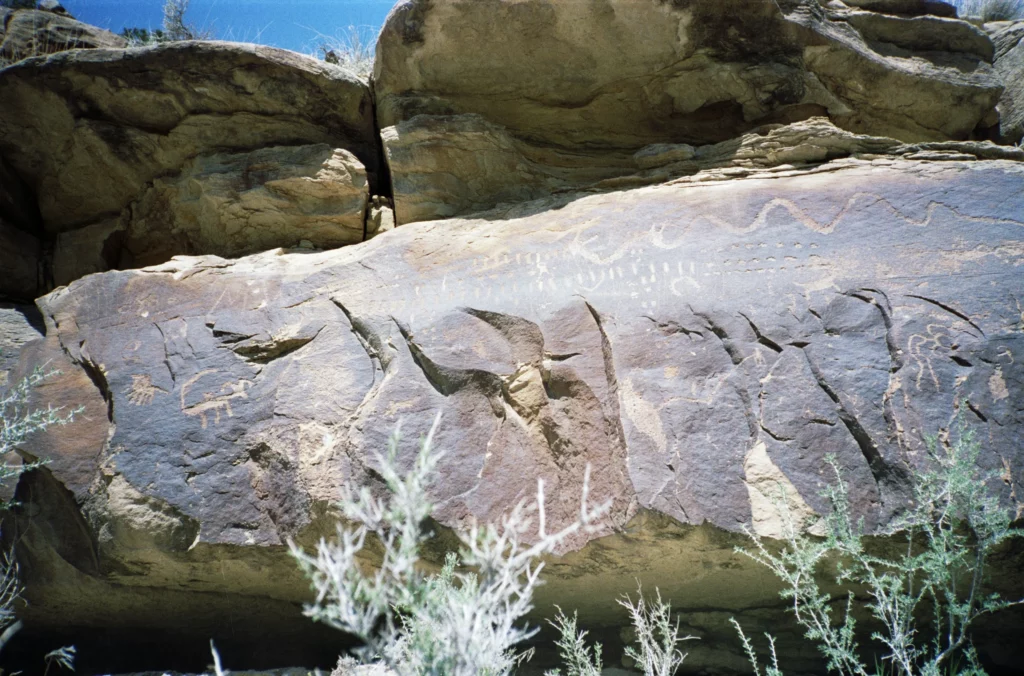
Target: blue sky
column 291, row 24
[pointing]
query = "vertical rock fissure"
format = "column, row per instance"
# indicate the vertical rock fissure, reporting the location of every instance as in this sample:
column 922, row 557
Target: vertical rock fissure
column 383, row 185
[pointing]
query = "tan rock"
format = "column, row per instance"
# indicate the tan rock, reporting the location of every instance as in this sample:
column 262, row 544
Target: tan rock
column 503, row 170
column 243, row 203
column 485, row 103
column 28, row 33
column 1009, row 63
column 698, row 343
column 195, row 147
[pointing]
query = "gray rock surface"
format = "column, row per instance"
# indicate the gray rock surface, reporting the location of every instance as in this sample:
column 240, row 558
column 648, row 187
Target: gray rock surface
column 695, row 342
column 18, row 325
column 1009, row 62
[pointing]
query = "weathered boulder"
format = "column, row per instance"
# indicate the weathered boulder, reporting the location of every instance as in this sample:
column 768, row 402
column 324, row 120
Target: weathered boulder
column 30, row 32
column 1008, row 38
column 427, row 188
column 908, row 7
column 697, row 343
column 510, row 97
column 19, row 324
column 133, row 156
column 19, row 263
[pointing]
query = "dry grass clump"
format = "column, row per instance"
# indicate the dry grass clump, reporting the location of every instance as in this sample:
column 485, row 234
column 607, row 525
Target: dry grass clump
column 990, row 10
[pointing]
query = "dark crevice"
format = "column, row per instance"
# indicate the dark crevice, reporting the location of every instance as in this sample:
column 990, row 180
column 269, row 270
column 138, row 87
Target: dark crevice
column 761, row 338
column 264, row 353
column 561, row 357
column 951, row 310
column 612, row 379
column 98, row 379
column 229, row 336
column 974, row 409
column 960, row 361
column 723, row 336
column 895, row 354
column 775, row 436
column 367, row 337
column 523, row 336
column 380, row 184
column 671, row 328
column 167, row 355
column 448, row 381
column 863, row 440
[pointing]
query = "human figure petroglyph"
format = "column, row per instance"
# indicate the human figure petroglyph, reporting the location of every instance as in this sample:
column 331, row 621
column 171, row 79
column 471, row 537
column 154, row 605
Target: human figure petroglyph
column 931, row 341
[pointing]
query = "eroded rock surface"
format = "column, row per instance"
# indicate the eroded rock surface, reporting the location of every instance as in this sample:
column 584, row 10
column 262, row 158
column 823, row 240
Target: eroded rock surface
column 30, row 32
column 1009, row 43
column 694, row 342
column 497, row 101
column 129, row 157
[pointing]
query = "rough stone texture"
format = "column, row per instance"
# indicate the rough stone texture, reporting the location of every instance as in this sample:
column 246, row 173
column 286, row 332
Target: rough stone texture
column 691, row 341
column 576, row 88
column 1009, row 62
column 19, row 263
column 18, row 325
column 187, row 148
column 28, row 33
column 908, row 7
column 426, row 184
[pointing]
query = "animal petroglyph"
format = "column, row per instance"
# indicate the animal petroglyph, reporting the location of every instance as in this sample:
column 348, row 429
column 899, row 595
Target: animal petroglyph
column 142, row 390
column 213, row 403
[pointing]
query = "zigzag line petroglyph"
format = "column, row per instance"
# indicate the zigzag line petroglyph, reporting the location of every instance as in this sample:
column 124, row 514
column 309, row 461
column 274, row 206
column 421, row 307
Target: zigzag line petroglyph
column 860, row 200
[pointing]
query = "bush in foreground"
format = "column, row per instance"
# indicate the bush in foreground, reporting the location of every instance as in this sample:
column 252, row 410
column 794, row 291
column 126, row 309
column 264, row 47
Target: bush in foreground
column 925, row 597
column 457, row 622
column 464, row 620
column 18, row 421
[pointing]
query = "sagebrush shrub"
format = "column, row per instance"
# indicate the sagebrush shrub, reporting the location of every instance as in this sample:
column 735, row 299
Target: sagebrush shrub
column 926, row 596
column 18, row 421
column 463, row 621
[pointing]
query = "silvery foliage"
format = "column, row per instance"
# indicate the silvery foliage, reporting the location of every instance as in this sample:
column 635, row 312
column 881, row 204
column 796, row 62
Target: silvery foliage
column 461, row 622
column 174, row 25
column 579, row 658
column 657, row 637
column 18, row 421
column 947, row 535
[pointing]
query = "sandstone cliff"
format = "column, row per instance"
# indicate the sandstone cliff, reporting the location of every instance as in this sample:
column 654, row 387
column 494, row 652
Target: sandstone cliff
column 693, row 251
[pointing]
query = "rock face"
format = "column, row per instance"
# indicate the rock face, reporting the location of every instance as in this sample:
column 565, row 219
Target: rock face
column 501, row 100
column 695, row 342
column 19, row 324
column 1009, row 43
column 28, row 33
column 132, row 156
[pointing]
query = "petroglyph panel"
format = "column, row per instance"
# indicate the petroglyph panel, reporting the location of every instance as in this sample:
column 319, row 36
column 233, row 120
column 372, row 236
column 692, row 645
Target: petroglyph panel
column 658, row 334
